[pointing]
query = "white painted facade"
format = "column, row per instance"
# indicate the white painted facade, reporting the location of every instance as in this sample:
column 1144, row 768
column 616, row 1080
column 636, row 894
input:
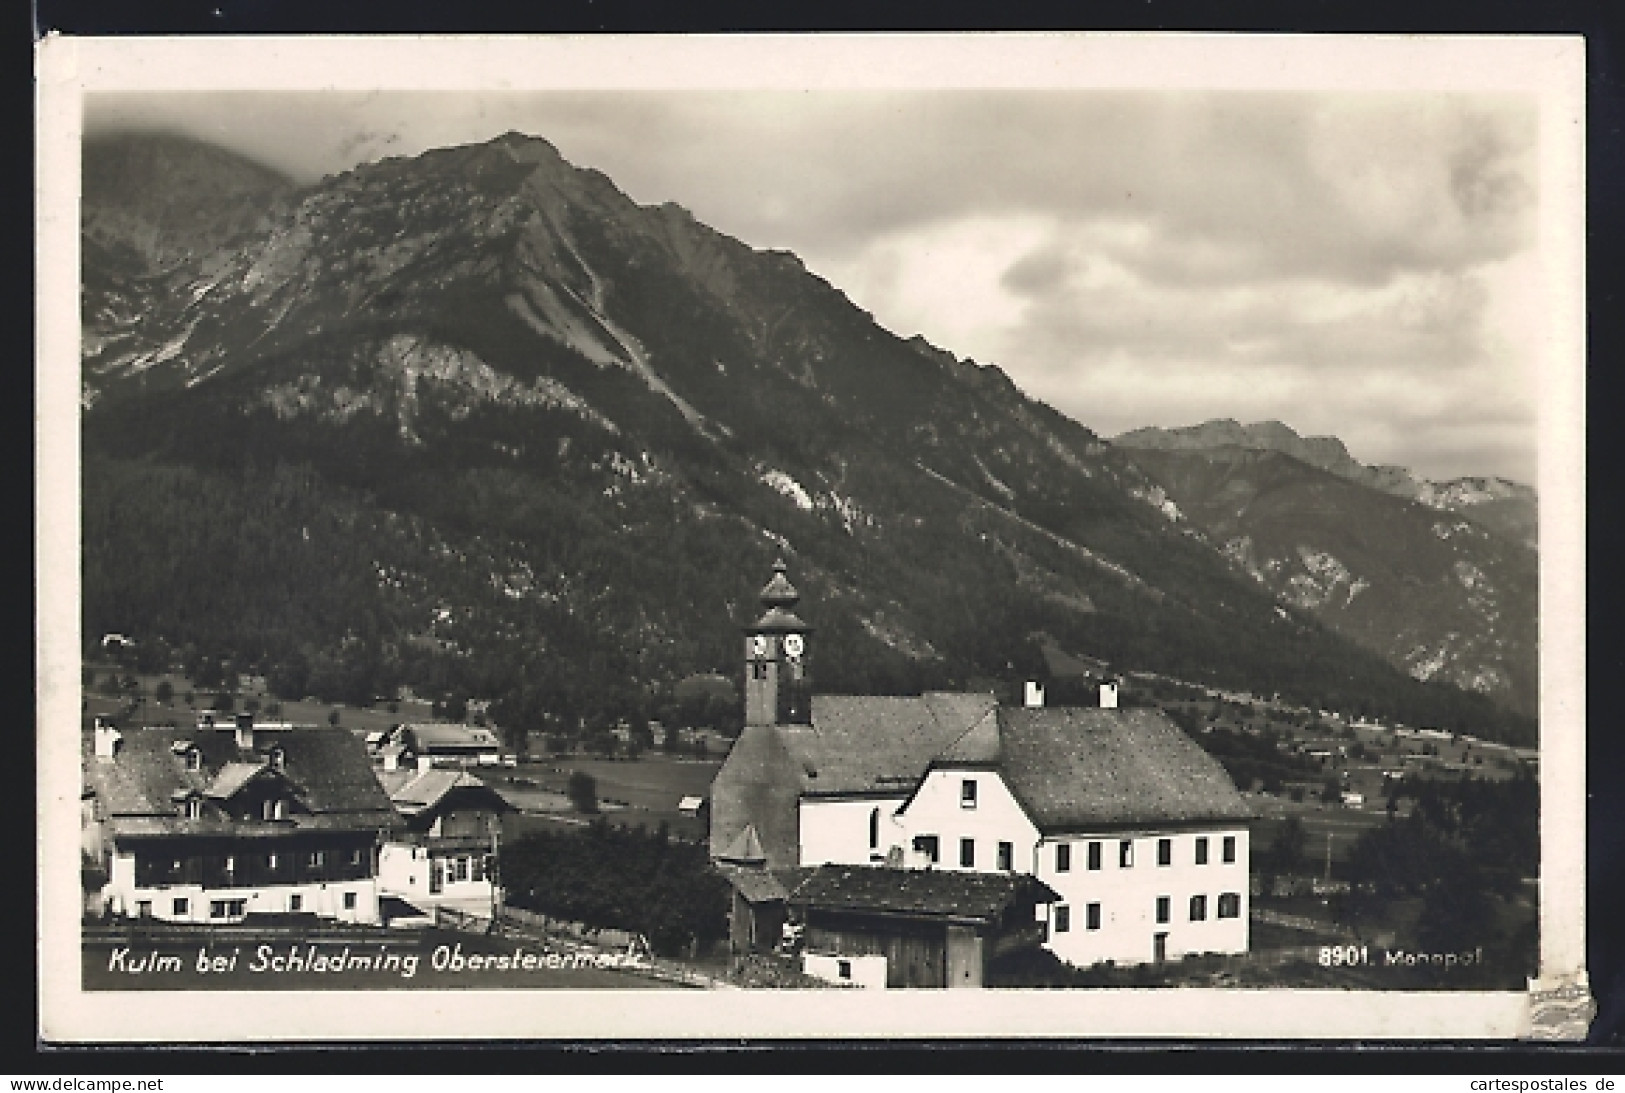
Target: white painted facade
column 956, row 807
column 344, row 901
column 1125, row 927
column 427, row 878
column 837, row 830
column 862, row 971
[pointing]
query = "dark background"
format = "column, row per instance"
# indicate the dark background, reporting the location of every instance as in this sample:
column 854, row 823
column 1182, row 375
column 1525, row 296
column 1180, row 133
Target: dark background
column 1600, row 21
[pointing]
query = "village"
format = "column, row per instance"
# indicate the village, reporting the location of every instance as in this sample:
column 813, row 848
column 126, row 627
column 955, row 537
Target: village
column 1096, row 828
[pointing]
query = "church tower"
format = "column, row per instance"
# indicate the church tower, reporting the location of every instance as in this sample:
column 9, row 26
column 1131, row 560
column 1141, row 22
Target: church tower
column 777, row 690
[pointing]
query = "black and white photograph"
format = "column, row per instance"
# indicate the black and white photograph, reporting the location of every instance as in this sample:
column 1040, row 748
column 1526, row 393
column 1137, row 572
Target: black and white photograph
column 973, row 535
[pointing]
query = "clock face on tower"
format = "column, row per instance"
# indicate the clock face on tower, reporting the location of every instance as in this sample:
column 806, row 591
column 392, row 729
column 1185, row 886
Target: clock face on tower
column 793, row 645
column 758, row 645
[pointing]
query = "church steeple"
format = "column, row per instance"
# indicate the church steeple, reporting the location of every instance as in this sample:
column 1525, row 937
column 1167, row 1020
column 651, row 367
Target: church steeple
column 776, row 685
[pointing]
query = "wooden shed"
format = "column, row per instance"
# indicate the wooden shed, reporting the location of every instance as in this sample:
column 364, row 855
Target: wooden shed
column 915, row 927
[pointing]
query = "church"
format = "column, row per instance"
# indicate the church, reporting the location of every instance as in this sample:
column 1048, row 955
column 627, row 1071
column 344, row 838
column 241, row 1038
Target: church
column 915, row 839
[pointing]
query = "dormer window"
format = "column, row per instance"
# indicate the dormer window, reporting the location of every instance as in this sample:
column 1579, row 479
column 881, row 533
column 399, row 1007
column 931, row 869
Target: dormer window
column 194, row 759
column 274, row 808
column 192, row 808
column 278, row 758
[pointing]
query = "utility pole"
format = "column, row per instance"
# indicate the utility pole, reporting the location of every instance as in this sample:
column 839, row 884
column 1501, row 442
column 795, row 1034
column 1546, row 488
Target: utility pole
column 1328, row 856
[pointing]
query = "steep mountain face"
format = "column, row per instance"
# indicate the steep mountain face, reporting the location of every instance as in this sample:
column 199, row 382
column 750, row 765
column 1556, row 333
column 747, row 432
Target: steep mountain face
column 477, row 422
column 1503, row 507
column 1434, row 593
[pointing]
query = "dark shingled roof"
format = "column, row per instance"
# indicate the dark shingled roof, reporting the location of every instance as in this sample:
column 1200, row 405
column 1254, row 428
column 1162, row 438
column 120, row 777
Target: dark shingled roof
column 868, row 744
column 326, row 769
column 417, row 791
column 1085, row 768
column 978, row 897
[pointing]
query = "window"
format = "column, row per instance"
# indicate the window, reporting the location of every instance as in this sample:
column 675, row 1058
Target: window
column 349, row 901
column 758, row 670
column 182, row 906
column 296, row 902
column 1230, row 905
column 1229, row 849
column 274, row 809
column 230, row 864
column 1198, row 908
column 1165, row 851
column 1125, row 854
column 193, row 809
column 1063, row 918
column 461, row 868
column 967, row 853
column 278, row 757
column 143, row 908
column 1063, row 857
column 226, row 908
column 1091, row 917
column 967, row 793
column 194, row 759
column 843, row 968
column 1201, row 850
column 355, row 856
column 874, row 829
column 315, row 859
column 1094, row 855
column 1164, row 908
column 1007, row 856
column 271, row 862
column 927, row 845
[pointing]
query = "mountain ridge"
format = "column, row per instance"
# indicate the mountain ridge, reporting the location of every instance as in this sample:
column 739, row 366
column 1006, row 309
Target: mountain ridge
column 546, row 440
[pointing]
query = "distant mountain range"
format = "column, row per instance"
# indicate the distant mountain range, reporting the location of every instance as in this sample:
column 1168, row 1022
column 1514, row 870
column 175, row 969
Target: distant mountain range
column 477, row 422
column 1499, row 505
column 1409, row 568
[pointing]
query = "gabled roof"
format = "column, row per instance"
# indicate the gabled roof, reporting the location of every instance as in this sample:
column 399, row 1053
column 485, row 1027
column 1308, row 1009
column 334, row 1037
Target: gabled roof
column 417, row 791
column 868, row 744
column 432, row 735
column 936, row 893
column 326, row 768
column 231, row 778
column 746, row 848
column 1085, row 768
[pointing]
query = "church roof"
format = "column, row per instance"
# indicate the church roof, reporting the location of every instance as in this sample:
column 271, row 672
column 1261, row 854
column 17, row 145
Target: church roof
column 779, row 592
column 876, row 744
column 778, row 619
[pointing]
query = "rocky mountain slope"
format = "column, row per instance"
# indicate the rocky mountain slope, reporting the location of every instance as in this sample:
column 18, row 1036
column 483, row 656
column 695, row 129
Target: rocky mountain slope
column 1499, row 505
column 477, row 422
column 1421, row 579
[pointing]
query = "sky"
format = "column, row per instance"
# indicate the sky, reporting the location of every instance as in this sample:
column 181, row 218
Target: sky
column 1355, row 264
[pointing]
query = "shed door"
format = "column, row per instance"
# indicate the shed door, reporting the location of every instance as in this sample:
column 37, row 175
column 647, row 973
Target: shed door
column 964, row 957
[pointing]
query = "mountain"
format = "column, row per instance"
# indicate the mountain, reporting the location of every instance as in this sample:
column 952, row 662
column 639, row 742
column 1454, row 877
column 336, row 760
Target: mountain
column 1418, row 580
column 476, row 422
column 1503, row 507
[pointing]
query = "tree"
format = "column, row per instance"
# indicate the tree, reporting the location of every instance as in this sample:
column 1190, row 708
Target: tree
column 1285, row 853
column 224, row 702
column 583, row 791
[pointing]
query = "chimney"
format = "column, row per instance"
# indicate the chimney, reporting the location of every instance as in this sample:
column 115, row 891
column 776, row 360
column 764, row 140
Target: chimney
column 1108, row 695
column 392, row 760
column 425, row 762
column 107, row 739
column 245, row 732
column 1033, row 695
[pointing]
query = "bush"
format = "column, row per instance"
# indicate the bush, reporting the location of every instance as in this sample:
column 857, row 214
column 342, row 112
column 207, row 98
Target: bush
column 583, row 791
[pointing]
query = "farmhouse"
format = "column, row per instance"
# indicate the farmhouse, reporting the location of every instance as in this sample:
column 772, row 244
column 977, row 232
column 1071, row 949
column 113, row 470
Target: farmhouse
column 209, row 824
column 1137, row 836
column 441, row 743
column 446, row 855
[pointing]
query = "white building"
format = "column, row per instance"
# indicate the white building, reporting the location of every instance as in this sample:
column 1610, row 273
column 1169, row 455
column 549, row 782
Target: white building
column 1138, row 830
column 211, row 824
